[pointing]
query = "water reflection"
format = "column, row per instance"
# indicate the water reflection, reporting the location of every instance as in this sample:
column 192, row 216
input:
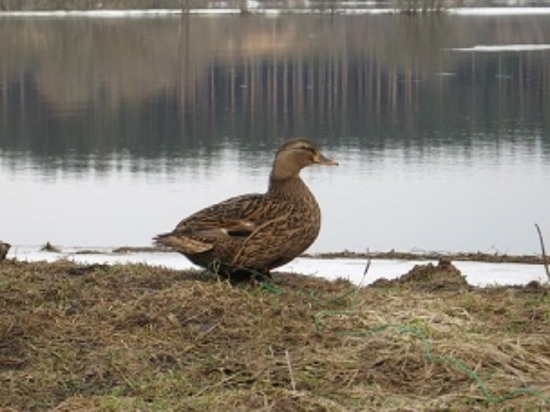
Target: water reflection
column 189, row 101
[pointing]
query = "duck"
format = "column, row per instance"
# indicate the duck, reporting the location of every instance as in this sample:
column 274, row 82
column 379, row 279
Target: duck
column 249, row 235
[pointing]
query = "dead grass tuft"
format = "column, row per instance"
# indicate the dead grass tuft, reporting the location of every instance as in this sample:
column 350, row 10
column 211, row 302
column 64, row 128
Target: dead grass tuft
column 135, row 337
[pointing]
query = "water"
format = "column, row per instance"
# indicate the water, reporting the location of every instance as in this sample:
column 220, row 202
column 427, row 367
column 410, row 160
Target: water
column 112, row 130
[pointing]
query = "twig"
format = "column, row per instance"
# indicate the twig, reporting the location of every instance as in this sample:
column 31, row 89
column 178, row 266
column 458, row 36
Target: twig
column 367, row 267
column 292, row 381
column 544, row 257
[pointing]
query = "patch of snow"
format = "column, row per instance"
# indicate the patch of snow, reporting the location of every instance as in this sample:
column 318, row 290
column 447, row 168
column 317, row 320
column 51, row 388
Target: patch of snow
column 476, row 273
column 498, row 11
column 92, row 13
column 503, row 47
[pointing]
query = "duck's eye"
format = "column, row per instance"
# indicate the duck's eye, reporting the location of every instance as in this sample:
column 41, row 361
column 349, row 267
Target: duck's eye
column 308, row 148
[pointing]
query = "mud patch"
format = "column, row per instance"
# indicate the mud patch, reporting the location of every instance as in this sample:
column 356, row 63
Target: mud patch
column 429, row 277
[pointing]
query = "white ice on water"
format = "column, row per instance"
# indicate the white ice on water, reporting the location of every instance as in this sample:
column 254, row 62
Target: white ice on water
column 503, row 48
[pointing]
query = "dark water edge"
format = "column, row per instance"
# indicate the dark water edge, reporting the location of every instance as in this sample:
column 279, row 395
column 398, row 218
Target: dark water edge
column 438, row 256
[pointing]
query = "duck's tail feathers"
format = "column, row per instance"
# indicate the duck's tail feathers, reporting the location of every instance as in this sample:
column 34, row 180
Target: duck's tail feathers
column 182, row 244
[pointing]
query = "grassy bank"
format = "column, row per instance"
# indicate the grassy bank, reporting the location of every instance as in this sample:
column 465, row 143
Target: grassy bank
column 134, row 337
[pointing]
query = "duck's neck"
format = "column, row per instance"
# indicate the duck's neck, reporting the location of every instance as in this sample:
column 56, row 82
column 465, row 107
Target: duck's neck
column 291, row 188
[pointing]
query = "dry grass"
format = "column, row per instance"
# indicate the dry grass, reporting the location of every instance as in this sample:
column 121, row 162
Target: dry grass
column 134, row 337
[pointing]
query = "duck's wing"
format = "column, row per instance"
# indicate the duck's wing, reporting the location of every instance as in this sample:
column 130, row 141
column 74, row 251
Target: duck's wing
column 235, row 219
column 237, row 216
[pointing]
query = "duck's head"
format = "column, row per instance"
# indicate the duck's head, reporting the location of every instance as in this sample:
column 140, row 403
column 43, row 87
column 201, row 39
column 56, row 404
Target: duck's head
column 296, row 154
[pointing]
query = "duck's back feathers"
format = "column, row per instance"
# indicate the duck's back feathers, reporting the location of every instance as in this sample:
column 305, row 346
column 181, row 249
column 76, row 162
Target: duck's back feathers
column 251, row 231
column 231, row 218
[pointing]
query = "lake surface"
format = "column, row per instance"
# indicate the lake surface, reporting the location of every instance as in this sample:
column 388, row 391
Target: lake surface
column 112, row 130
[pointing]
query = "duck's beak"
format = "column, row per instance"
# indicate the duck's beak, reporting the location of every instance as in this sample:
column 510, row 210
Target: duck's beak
column 322, row 160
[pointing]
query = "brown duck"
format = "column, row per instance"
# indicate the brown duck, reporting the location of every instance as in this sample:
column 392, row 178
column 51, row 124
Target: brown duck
column 256, row 232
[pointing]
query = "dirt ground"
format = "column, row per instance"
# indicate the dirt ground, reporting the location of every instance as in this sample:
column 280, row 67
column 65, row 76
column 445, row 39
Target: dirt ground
column 141, row 338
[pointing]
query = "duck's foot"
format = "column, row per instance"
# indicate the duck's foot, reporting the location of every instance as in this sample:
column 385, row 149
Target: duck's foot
column 246, row 275
column 263, row 276
column 264, row 280
column 243, row 275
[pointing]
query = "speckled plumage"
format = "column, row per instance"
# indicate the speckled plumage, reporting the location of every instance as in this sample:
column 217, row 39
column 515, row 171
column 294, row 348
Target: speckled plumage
column 256, row 232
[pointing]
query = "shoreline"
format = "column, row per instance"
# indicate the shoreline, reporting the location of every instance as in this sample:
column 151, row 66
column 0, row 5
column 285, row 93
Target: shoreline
column 528, row 259
column 487, row 270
